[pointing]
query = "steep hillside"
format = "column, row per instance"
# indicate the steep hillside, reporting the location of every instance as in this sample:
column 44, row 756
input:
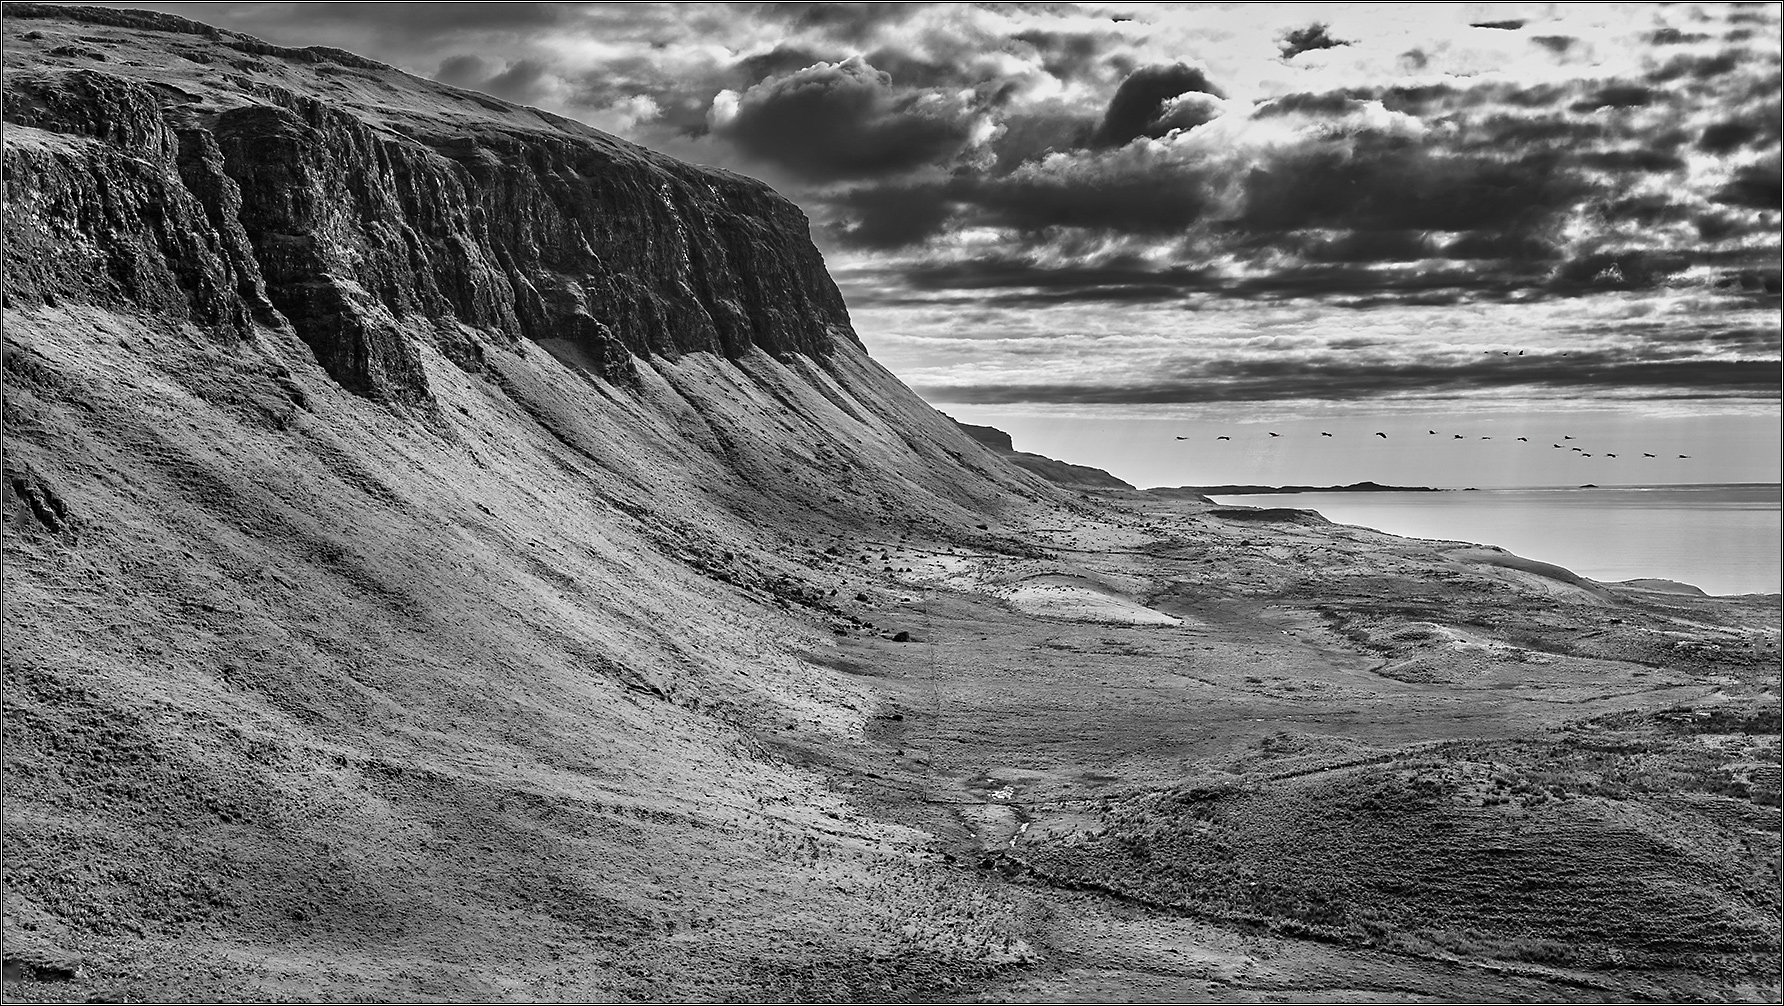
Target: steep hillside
column 416, row 511
column 452, row 553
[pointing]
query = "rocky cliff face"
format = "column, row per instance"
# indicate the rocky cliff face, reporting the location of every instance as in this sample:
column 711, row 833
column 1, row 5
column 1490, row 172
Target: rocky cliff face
column 205, row 190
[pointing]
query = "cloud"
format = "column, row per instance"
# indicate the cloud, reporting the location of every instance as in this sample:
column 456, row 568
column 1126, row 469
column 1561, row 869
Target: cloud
column 1067, row 55
column 1140, row 102
column 835, row 121
column 889, row 216
column 849, row 22
column 1755, row 186
column 1386, row 183
column 1045, row 129
column 463, row 70
column 1330, row 380
column 1673, row 36
column 1308, row 39
column 1727, row 135
column 1137, row 190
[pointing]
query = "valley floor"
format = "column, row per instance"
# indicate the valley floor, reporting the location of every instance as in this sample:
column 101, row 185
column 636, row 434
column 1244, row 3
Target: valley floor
column 1349, row 767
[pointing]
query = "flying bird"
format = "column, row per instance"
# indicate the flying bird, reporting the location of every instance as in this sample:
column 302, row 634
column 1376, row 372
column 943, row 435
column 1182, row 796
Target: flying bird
column 1555, row 446
column 1325, row 434
column 1684, row 455
column 1645, row 454
column 1276, row 434
column 1524, row 439
column 1432, row 432
column 1383, row 436
column 1565, row 437
column 1583, row 454
column 1577, row 449
column 1610, row 455
column 1520, row 352
column 1223, row 438
column 1182, row 438
column 1460, row 437
column 1486, row 438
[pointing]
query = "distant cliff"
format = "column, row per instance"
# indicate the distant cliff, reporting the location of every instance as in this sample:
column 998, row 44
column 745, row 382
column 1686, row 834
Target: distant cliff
column 209, row 192
column 1060, row 472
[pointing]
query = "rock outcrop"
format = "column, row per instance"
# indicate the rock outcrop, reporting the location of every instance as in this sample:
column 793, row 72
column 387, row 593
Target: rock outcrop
column 1058, row 472
column 222, row 198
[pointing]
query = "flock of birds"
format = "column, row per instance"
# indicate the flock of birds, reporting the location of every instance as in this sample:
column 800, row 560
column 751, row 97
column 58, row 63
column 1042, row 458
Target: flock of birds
column 1457, row 436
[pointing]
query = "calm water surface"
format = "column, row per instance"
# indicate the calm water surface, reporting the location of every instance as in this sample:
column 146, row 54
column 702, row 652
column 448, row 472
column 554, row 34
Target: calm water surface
column 1721, row 538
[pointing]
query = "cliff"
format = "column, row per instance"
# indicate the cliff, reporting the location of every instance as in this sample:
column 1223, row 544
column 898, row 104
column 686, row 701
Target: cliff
column 208, row 188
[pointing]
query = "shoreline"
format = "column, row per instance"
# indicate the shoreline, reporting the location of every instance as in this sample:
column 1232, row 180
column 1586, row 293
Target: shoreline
column 1623, row 536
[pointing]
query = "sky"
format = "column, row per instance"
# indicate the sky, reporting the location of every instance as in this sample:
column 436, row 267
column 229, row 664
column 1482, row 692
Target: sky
column 1205, row 219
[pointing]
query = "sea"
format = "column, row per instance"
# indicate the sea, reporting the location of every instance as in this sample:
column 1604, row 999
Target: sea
column 1722, row 539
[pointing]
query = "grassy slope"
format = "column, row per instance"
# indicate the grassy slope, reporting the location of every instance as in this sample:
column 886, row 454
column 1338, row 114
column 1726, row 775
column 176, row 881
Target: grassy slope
column 318, row 674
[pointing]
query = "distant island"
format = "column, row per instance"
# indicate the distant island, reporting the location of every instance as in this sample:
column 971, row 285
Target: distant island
column 1355, row 487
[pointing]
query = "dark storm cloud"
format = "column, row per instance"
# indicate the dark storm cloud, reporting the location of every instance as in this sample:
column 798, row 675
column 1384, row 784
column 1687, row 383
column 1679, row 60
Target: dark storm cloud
column 1372, row 246
column 1187, row 111
column 1340, row 380
column 1068, row 55
column 1099, row 196
column 1030, row 136
column 1510, row 25
column 779, row 61
column 848, row 22
column 1308, row 39
column 1391, row 184
column 1647, row 210
column 1102, row 197
column 463, row 70
column 1697, row 67
column 1673, row 36
column 1349, row 272
column 523, row 81
column 1624, row 270
column 1755, row 186
column 1633, row 160
column 1501, row 246
column 1140, row 101
column 995, row 273
column 1328, row 103
column 843, row 120
column 520, row 82
column 1728, row 135
column 890, row 216
column 1617, row 96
